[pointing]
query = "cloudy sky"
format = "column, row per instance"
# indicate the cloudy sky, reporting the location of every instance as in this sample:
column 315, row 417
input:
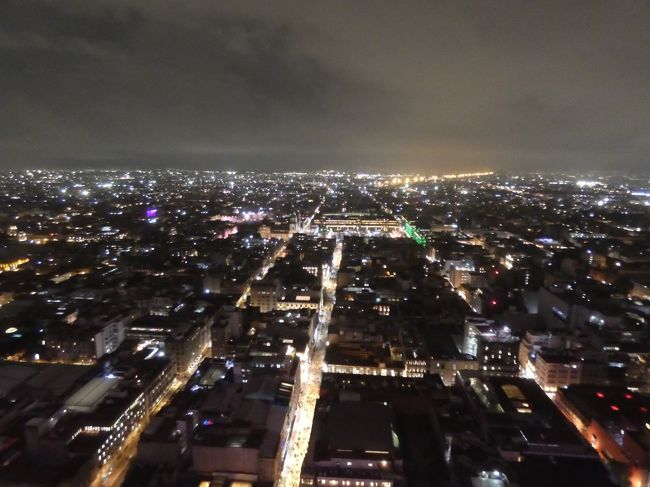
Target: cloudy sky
column 372, row 85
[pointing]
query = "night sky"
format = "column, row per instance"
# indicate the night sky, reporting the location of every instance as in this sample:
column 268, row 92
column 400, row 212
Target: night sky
column 360, row 85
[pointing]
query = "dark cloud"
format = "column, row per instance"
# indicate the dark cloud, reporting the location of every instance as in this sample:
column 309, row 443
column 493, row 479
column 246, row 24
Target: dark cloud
column 374, row 85
column 57, row 24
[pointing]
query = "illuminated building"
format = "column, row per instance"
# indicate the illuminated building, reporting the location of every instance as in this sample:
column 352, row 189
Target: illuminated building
column 352, row 444
column 556, row 370
column 615, row 422
column 13, row 265
column 264, row 295
column 495, row 349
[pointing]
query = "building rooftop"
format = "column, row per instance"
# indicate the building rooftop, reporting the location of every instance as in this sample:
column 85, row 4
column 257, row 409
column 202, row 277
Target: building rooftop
column 521, row 416
column 90, row 395
column 617, row 407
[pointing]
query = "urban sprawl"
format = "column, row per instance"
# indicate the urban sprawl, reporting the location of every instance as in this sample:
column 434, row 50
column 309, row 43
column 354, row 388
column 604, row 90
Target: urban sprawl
column 239, row 329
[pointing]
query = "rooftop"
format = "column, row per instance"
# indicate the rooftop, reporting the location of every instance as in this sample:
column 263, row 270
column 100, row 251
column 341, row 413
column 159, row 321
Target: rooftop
column 89, row 396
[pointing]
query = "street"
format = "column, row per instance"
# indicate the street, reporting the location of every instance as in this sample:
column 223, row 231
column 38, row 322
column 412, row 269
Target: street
column 112, row 474
column 311, row 368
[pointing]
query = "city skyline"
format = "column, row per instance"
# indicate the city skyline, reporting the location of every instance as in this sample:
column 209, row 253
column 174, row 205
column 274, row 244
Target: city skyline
column 246, row 329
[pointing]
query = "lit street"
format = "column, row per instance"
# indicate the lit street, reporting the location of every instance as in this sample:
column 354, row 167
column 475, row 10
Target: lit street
column 311, row 368
column 112, row 474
